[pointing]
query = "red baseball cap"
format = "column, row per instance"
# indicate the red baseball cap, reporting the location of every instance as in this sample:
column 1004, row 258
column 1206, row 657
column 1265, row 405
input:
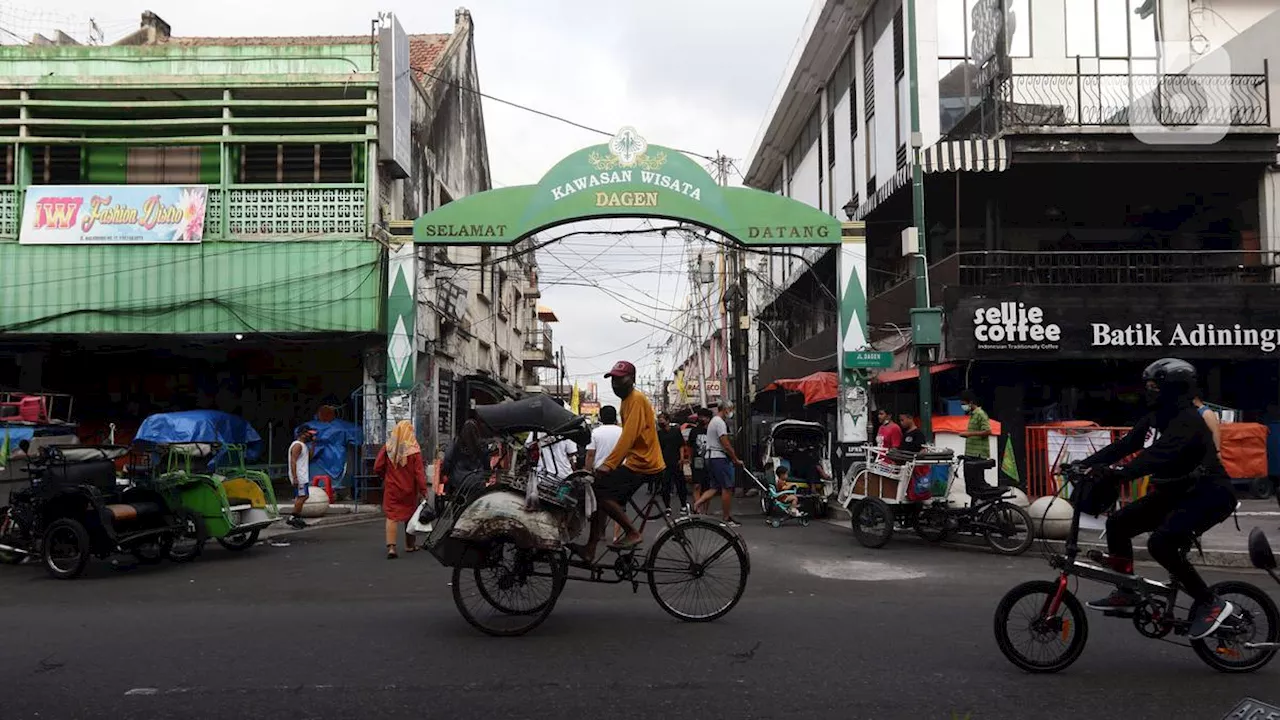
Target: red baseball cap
column 622, row 368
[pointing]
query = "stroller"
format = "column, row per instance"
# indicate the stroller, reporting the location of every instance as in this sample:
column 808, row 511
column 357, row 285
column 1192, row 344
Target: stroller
column 776, row 503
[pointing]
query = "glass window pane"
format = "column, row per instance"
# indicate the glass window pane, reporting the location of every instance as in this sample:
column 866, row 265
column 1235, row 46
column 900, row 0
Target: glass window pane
column 1142, row 32
column 1018, row 28
column 1081, row 27
column 1113, row 28
column 951, row 42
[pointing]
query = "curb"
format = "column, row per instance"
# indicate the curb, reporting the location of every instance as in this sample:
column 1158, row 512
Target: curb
column 1212, row 558
column 325, row 524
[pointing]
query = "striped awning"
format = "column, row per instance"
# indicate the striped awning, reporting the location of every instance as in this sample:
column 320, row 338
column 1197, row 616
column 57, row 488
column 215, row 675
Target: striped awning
column 976, row 155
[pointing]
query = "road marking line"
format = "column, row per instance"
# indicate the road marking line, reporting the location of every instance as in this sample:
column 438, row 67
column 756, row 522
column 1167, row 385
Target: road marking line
column 859, row 570
column 143, row 691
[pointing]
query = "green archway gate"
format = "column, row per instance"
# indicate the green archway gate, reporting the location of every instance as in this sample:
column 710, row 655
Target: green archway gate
column 627, row 177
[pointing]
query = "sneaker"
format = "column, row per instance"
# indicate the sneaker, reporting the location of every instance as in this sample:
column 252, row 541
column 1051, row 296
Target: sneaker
column 1118, row 600
column 733, row 523
column 296, row 523
column 1208, row 617
column 686, row 510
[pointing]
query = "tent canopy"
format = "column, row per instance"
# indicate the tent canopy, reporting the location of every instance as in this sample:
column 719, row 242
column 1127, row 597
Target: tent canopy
column 816, row 387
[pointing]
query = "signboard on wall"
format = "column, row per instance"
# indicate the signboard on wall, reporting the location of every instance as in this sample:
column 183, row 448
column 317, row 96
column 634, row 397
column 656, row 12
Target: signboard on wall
column 395, row 88
column 113, row 214
column 1238, row 322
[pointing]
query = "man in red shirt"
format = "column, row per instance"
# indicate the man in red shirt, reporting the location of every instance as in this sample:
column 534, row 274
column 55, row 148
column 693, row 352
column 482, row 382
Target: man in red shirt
column 889, row 435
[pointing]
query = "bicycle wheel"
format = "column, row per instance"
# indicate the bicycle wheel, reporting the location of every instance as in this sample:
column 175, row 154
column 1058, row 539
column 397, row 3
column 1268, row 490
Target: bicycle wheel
column 1008, row 528
column 697, row 570
column 1256, row 620
column 872, row 522
column 1051, row 644
column 512, row 590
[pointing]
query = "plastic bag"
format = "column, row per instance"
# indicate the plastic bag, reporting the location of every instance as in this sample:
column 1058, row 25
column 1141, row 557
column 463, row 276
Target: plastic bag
column 422, row 521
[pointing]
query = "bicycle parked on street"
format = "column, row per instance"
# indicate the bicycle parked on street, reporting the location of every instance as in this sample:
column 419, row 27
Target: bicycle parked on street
column 1052, row 628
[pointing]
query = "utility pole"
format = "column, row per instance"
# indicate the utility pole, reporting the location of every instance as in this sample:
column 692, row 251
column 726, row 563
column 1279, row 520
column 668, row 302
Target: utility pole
column 735, row 294
column 695, row 341
column 917, row 196
column 560, row 391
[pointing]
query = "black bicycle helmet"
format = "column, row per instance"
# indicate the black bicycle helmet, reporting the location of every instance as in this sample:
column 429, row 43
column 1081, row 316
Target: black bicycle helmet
column 1170, row 371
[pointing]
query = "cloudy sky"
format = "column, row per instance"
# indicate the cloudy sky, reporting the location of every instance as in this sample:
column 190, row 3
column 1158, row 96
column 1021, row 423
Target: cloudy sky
column 694, row 75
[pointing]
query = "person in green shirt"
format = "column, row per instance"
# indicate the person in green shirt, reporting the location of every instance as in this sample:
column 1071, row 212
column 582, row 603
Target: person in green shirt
column 975, row 437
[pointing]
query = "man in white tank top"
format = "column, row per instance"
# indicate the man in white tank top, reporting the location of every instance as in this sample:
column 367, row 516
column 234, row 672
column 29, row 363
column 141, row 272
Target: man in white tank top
column 300, row 473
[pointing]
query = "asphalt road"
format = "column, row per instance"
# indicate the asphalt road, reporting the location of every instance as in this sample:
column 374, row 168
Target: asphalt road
column 327, row 628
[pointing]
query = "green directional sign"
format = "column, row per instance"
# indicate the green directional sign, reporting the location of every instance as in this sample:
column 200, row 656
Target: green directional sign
column 868, row 360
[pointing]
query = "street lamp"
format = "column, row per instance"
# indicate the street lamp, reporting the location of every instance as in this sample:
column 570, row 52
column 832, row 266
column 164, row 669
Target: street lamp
column 697, row 345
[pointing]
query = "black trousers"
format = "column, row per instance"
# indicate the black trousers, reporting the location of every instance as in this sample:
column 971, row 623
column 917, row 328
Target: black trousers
column 1173, row 517
column 674, row 477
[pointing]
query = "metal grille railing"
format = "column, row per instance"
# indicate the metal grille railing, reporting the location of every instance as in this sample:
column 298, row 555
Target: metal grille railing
column 1164, row 267
column 284, row 210
column 8, row 212
column 1105, row 99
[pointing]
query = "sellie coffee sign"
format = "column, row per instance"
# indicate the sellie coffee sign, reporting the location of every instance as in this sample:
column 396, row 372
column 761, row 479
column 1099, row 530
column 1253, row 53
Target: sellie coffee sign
column 1088, row 322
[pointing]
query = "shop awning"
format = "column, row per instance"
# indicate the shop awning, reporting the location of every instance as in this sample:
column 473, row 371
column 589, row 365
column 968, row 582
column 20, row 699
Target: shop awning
column 816, row 387
column 913, row 373
column 975, row 155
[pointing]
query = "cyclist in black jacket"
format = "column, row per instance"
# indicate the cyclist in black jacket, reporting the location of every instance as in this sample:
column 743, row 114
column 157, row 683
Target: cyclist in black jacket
column 1191, row 491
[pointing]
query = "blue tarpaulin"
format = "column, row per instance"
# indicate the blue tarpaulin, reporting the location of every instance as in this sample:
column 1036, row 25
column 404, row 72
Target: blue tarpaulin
column 191, row 426
column 329, row 456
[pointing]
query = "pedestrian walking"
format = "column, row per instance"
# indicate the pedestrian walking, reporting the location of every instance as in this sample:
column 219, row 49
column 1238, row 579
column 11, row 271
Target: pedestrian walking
column 404, row 483
column 697, row 442
column 671, row 442
column 300, row 452
column 722, row 460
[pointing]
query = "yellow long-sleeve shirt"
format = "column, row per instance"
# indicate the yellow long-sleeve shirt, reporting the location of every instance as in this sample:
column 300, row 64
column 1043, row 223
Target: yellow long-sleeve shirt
column 638, row 447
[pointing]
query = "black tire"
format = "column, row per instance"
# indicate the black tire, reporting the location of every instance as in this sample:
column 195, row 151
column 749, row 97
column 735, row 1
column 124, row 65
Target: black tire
column 10, row 528
column 766, row 504
column 1042, row 592
column 1262, row 488
column 189, row 543
column 872, row 522
column 150, row 553
column 933, row 523
column 1260, row 600
column 240, row 542
column 686, row 560
column 523, row 620
column 68, row 533
column 1016, row 543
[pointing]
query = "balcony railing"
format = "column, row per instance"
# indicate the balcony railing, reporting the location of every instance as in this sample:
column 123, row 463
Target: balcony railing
column 299, row 210
column 998, row 268
column 1080, row 98
column 1120, row 267
column 258, row 210
column 8, row 211
column 538, row 350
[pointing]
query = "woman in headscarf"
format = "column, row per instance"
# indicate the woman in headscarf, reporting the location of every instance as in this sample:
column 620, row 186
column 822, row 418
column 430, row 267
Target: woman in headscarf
column 404, row 483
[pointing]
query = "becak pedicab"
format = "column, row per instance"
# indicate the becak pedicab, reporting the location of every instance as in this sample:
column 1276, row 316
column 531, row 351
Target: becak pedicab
column 203, row 455
column 506, row 542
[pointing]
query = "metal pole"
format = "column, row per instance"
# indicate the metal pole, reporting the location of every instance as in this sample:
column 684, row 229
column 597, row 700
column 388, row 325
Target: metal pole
column 918, row 219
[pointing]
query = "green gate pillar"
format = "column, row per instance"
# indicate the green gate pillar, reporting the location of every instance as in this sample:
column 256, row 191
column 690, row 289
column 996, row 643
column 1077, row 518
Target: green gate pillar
column 402, row 345
column 851, row 271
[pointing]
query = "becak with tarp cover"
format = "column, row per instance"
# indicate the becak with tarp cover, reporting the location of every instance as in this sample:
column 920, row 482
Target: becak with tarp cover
column 201, row 426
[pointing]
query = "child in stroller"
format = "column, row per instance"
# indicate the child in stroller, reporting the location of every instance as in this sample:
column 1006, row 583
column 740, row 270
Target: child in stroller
column 780, row 498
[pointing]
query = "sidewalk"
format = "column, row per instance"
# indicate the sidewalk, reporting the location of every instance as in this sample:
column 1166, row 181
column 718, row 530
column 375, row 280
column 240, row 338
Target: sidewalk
column 339, row 514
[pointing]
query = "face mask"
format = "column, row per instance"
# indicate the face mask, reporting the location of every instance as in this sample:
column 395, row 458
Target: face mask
column 1153, row 397
column 966, row 409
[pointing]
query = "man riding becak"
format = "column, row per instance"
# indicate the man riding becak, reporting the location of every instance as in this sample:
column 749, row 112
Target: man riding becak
column 1191, row 491
column 636, row 459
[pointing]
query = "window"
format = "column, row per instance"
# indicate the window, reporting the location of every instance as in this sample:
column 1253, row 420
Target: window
column 162, row 165
column 899, row 54
column 1109, row 29
column 9, row 174
column 297, row 163
column 55, row 165
column 853, row 125
column 840, row 80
